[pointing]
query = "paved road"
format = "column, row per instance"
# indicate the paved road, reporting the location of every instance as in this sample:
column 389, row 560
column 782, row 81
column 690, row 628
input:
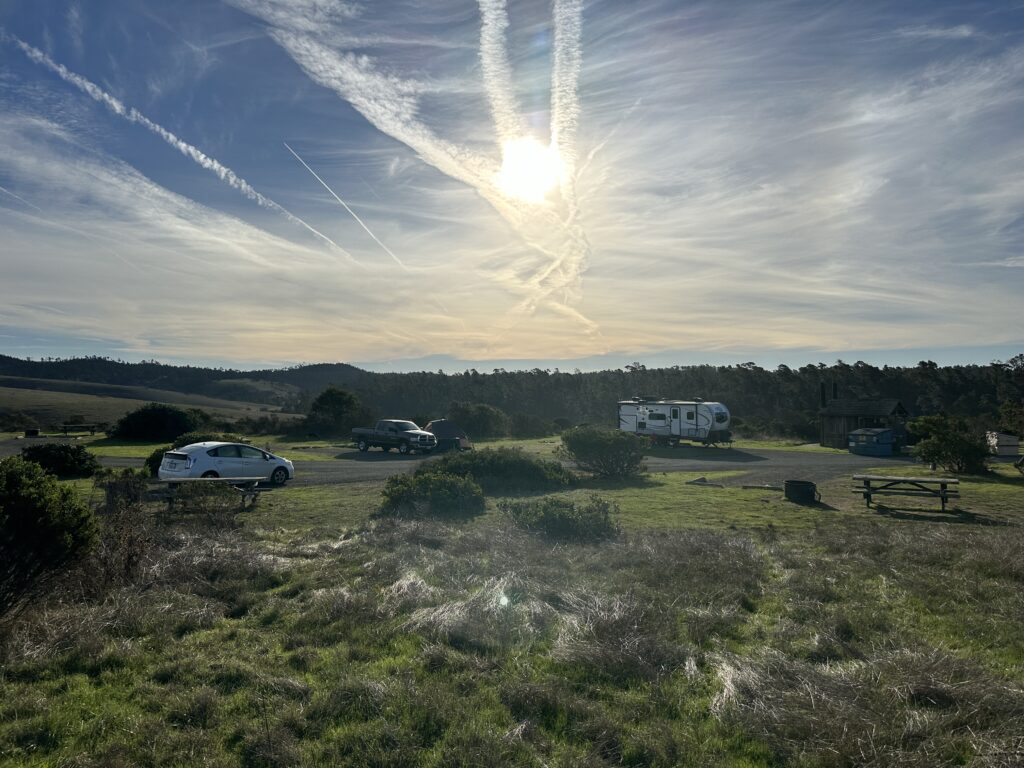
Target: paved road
column 759, row 466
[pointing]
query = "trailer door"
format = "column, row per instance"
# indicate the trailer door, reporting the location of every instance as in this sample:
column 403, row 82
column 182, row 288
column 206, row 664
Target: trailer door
column 627, row 420
column 675, row 422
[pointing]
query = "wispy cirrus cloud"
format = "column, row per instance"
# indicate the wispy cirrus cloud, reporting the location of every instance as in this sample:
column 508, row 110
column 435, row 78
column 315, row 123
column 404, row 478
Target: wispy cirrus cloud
column 131, row 114
column 959, row 32
column 391, row 104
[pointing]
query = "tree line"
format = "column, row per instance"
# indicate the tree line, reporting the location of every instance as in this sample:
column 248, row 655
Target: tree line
column 782, row 401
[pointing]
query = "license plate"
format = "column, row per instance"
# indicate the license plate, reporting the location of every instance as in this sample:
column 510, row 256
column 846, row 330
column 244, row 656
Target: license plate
column 172, row 465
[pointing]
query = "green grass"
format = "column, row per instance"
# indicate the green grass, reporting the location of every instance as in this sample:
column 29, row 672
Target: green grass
column 723, row 627
column 784, row 445
column 52, row 408
column 315, row 508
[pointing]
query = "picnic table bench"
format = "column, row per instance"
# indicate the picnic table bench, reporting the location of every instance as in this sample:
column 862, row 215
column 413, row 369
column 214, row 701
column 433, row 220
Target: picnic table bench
column 68, row 428
column 247, row 487
column 927, row 487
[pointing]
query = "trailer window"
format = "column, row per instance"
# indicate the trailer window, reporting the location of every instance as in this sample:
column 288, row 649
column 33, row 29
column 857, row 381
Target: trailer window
column 690, row 415
column 656, row 417
column 721, row 418
column 675, row 413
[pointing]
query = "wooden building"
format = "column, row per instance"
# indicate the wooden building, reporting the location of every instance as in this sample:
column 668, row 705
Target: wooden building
column 840, row 417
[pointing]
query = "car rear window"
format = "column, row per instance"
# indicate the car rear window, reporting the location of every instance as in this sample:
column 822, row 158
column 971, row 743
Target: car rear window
column 176, row 456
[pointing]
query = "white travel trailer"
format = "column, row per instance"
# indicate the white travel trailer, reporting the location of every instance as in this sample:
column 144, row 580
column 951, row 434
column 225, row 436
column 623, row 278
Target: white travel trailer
column 670, row 421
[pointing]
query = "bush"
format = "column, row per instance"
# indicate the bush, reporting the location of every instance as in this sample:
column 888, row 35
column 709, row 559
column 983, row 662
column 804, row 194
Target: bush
column 605, row 452
column 215, row 503
column 157, row 421
column 502, row 470
column 43, row 526
column 479, row 419
column 154, row 460
column 61, row 459
column 949, row 443
column 434, row 494
column 564, row 519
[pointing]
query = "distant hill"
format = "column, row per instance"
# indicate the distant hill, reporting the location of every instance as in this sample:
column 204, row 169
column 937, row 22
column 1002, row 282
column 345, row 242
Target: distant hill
column 288, row 388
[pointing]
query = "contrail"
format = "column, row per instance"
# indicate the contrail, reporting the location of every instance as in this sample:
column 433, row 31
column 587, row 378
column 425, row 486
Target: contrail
column 20, row 199
column 565, row 75
column 497, row 71
column 345, row 206
column 132, row 115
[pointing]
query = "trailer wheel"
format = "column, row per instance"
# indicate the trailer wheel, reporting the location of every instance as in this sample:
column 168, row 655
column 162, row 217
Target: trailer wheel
column 673, row 443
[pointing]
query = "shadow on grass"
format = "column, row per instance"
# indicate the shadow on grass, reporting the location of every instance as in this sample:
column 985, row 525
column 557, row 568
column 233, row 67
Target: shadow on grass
column 619, row 483
column 819, row 505
column 702, row 453
column 955, row 516
column 372, row 456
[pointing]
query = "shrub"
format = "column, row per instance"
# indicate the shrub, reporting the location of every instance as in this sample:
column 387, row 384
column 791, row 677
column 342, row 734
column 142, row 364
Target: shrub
column 126, row 533
column 216, row 503
column 43, row 526
column 502, row 470
column 434, row 494
column 61, row 459
column 564, row 519
column 153, row 461
column 605, row 452
column 949, row 443
column 157, row 421
column 479, row 419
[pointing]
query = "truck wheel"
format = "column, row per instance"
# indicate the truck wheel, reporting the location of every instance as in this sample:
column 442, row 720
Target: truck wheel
column 403, row 448
column 362, row 445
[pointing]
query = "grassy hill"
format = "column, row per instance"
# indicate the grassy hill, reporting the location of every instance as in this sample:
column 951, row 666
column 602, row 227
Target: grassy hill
column 46, row 407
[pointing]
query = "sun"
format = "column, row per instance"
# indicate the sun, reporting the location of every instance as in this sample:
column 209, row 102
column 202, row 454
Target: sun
column 529, row 170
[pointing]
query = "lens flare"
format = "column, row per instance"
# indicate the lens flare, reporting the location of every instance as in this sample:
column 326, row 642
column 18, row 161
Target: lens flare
column 529, row 170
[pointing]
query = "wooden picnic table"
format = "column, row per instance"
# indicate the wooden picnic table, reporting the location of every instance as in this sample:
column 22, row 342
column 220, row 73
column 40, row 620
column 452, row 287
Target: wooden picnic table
column 247, row 487
column 927, row 487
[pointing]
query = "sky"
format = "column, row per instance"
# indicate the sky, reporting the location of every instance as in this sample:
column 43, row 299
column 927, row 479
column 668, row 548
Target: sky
column 578, row 183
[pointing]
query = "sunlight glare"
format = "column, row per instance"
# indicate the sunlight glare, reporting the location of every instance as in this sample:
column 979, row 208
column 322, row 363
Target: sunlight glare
column 529, row 169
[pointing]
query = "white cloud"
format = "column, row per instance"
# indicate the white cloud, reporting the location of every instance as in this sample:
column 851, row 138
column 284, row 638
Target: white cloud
column 959, row 32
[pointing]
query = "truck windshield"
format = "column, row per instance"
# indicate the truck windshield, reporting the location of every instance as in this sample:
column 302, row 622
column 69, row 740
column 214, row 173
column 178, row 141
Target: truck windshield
column 405, row 426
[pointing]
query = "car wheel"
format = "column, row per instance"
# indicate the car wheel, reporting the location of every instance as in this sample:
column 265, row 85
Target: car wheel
column 279, row 476
column 363, row 446
column 403, row 448
column 211, row 473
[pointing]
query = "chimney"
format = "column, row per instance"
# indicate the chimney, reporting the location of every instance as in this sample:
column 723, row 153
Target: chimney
column 835, row 391
column 823, row 397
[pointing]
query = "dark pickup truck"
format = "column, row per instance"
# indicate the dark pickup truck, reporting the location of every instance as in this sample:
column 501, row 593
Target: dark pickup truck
column 394, row 433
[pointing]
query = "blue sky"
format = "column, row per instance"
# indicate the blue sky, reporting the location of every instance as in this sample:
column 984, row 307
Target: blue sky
column 702, row 182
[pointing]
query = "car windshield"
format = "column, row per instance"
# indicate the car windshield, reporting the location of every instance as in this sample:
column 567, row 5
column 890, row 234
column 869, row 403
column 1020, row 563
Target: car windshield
column 405, row 426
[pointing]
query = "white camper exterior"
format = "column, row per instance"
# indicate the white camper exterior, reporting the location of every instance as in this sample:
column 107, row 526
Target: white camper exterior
column 670, row 421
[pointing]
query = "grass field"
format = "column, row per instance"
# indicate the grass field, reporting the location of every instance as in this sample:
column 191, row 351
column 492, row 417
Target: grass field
column 720, row 627
column 51, row 408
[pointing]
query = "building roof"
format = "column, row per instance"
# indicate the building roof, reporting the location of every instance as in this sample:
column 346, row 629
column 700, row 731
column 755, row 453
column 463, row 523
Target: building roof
column 887, row 406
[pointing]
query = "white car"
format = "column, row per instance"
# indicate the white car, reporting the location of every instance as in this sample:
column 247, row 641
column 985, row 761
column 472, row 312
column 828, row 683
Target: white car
column 224, row 460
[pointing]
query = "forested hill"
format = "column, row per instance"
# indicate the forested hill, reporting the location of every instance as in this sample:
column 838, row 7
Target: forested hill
column 780, row 401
